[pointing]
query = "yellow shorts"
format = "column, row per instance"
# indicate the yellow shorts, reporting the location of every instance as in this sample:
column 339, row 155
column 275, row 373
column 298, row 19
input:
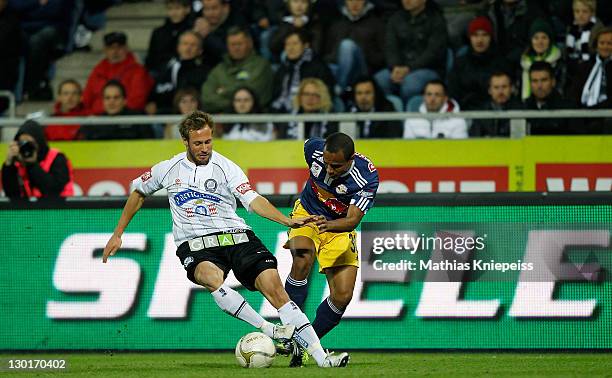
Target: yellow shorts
column 332, row 248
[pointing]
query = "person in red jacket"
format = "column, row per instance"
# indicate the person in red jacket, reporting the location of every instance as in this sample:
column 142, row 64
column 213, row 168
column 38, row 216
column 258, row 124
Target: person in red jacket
column 68, row 104
column 119, row 64
column 32, row 169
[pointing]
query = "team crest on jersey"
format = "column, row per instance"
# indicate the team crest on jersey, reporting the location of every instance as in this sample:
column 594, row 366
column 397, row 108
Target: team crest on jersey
column 177, row 181
column 188, row 260
column 341, row 189
column 371, row 167
column 146, row 176
column 244, row 187
column 315, row 169
column 210, row 185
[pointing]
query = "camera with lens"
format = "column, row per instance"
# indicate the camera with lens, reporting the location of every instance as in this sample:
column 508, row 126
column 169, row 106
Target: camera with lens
column 26, row 149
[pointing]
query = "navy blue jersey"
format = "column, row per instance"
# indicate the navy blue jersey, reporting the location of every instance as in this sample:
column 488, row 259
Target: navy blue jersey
column 332, row 198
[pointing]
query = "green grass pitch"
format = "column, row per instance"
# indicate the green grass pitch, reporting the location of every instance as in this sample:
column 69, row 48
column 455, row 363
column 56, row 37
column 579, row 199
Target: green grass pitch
column 398, row 364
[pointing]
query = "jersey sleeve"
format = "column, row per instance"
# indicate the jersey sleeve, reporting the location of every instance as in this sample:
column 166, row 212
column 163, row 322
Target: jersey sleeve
column 310, row 147
column 239, row 185
column 364, row 199
column 152, row 180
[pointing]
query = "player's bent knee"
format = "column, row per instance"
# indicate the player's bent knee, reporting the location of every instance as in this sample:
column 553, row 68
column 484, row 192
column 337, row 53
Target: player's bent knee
column 208, row 275
column 342, row 298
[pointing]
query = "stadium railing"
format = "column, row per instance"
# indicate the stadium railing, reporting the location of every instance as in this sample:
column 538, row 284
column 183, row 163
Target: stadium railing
column 518, row 119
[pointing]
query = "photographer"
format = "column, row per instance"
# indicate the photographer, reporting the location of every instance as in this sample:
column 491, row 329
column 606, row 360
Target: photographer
column 32, row 169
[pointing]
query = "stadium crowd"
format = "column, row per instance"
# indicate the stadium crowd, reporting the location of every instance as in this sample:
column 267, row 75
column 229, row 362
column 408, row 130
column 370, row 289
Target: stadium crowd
column 302, row 56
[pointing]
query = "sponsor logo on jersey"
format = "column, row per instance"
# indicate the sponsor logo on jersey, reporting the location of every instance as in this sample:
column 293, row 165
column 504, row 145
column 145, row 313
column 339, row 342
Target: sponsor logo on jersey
column 366, row 194
column 146, row 176
column 316, row 169
column 188, row 260
column 244, row 187
column 341, row 189
column 210, row 185
column 177, row 181
column 188, row 195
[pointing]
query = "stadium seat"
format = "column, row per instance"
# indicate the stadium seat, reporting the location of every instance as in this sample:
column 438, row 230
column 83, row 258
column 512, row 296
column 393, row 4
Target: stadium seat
column 396, row 101
column 414, row 103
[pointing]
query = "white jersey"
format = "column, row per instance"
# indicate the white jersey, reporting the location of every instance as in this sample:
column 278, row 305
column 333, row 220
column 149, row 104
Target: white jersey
column 202, row 198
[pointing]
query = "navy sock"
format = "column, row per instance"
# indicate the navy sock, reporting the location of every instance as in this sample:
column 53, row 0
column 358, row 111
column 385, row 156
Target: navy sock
column 297, row 290
column 328, row 316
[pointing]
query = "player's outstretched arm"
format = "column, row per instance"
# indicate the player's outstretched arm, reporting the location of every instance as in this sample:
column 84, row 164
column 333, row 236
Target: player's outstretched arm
column 262, row 207
column 133, row 204
column 346, row 224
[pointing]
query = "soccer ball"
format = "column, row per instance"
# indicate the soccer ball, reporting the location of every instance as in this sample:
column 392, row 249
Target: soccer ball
column 255, row 350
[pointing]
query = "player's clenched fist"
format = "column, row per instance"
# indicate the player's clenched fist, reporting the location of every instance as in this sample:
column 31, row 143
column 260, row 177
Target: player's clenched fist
column 113, row 245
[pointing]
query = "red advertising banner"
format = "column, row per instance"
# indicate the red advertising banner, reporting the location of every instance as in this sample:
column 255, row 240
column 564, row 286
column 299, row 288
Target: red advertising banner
column 573, row 177
column 394, row 180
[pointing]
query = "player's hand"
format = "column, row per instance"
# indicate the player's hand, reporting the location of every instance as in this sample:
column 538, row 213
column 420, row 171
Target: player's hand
column 299, row 222
column 113, row 245
column 322, row 223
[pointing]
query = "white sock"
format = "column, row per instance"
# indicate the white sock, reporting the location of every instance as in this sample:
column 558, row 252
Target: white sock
column 230, row 301
column 305, row 335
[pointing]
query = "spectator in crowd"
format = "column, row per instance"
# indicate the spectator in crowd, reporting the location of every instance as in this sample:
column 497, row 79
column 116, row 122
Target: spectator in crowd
column 544, row 96
column 577, row 48
column 469, row 79
column 162, row 46
column 301, row 62
column 241, row 66
column 299, row 16
column 186, row 101
column 369, row 98
column 115, row 104
column 119, row 64
column 312, row 98
column 216, row 20
column 46, row 24
column 89, row 17
column 267, row 15
column 500, row 99
column 541, row 48
column 32, row 169
column 244, row 101
column 187, row 70
column 511, row 22
column 355, row 41
column 435, row 100
column 11, row 51
column 415, row 49
column 592, row 86
column 68, row 104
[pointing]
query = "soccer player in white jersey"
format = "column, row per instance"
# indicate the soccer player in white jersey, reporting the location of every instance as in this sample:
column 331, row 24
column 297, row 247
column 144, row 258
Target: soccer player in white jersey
column 211, row 238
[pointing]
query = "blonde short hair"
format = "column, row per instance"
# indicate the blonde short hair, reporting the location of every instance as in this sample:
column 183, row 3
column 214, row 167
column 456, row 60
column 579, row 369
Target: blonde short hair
column 326, row 103
column 591, row 4
column 197, row 120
